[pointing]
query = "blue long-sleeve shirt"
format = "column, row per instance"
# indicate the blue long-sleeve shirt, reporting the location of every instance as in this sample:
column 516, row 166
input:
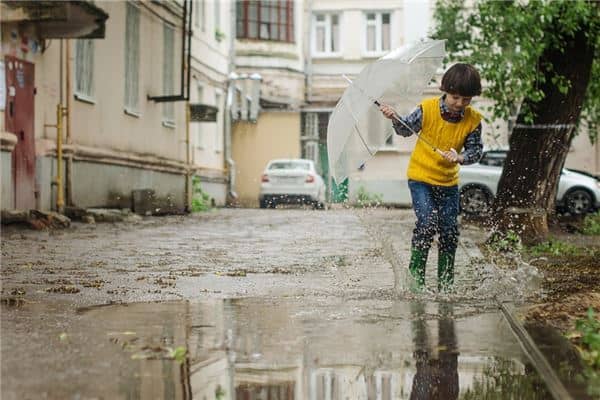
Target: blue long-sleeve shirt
column 473, row 147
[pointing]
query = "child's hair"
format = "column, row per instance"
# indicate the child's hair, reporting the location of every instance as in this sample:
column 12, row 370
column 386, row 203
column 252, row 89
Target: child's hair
column 461, row 79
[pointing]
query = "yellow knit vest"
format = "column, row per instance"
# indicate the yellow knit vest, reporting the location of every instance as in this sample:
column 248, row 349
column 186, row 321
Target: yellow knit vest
column 425, row 164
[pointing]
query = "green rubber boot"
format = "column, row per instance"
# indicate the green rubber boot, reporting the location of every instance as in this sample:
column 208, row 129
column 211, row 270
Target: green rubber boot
column 418, row 260
column 445, row 271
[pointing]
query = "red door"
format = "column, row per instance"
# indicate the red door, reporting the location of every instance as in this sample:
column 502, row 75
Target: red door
column 20, row 91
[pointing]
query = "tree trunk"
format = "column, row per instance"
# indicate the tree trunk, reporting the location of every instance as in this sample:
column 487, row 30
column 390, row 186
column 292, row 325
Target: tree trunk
column 529, row 182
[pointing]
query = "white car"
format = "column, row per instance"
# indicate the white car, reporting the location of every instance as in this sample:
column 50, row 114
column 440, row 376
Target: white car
column 291, row 181
column 578, row 193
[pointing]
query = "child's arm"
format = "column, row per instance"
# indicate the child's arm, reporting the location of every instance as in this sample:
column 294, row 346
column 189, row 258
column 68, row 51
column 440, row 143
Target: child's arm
column 473, row 147
column 414, row 120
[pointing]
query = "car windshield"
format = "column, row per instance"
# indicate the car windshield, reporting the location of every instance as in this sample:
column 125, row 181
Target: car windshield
column 290, row 165
column 493, row 158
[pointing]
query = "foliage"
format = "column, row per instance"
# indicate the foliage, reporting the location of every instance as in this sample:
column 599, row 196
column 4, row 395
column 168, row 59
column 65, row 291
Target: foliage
column 591, row 224
column 508, row 241
column 506, row 39
column 200, row 200
column 219, row 35
column 555, row 248
column 366, row 199
column 219, row 393
column 178, row 354
column 501, row 380
column 588, row 330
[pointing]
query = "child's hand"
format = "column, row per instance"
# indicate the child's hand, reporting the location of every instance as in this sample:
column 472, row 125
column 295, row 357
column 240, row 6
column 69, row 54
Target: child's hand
column 388, row 112
column 452, row 156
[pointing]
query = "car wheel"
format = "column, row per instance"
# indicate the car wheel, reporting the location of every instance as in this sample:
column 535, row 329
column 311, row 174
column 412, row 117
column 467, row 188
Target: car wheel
column 578, row 201
column 317, row 205
column 475, row 200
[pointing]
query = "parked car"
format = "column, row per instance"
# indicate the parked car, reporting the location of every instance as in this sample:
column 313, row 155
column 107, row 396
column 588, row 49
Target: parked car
column 291, row 181
column 577, row 193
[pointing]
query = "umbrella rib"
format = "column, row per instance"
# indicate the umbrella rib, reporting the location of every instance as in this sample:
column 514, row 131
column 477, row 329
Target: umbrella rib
column 356, row 123
column 364, row 143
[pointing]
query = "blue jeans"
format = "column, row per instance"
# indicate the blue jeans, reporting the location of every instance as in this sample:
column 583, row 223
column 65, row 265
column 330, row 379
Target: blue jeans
column 436, row 208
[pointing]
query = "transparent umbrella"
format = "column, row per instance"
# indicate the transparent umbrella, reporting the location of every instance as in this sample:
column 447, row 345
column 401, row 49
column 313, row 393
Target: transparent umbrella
column 357, row 129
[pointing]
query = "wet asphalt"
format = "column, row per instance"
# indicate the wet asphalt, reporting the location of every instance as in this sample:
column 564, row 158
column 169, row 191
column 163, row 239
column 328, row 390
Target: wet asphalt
column 252, row 304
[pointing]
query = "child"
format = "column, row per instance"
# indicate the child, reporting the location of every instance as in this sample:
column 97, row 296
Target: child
column 446, row 123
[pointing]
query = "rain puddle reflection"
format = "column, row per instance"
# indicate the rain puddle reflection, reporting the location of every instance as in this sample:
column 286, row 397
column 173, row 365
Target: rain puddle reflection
column 325, row 349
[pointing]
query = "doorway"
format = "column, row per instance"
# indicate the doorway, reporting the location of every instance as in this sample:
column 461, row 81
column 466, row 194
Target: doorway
column 19, row 119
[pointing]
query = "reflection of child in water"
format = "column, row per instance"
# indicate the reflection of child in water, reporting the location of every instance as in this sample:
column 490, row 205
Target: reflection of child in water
column 435, row 378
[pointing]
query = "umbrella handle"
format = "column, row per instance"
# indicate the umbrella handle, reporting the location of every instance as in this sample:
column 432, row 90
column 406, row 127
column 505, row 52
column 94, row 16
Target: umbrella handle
column 378, row 104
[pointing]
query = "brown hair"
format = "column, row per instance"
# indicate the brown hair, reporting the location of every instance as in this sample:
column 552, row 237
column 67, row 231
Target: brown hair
column 461, row 79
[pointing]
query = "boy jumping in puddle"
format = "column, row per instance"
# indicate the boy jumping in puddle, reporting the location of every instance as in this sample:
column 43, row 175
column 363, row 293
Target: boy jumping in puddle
column 450, row 135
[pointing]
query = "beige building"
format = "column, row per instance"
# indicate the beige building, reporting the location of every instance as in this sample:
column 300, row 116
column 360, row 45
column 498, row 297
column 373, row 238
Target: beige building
column 269, row 49
column 120, row 139
column 210, row 61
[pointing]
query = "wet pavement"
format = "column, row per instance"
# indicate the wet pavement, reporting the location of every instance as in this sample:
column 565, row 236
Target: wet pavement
column 253, row 304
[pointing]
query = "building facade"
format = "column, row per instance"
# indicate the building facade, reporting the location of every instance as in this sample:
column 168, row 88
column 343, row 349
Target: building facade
column 210, row 63
column 269, row 49
column 120, row 140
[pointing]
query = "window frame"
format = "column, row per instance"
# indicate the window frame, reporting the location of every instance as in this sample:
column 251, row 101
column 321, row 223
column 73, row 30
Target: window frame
column 218, row 143
column 84, row 58
column 284, row 7
column 132, row 60
column 327, row 24
column 200, row 145
column 168, row 82
column 200, row 15
column 378, row 23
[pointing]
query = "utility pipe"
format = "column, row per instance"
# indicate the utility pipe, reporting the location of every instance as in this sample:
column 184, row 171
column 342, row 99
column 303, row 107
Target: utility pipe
column 60, row 203
column 229, row 162
column 67, row 114
column 188, row 186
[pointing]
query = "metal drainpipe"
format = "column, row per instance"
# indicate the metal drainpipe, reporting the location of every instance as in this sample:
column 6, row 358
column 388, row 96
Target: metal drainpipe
column 230, row 163
column 69, row 166
column 228, row 158
column 188, row 170
column 60, row 203
column 59, row 128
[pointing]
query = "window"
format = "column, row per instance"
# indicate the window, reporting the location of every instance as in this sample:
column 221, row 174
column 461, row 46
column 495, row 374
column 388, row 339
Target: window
column 265, row 20
column 168, row 70
column 326, row 33
column 217, row 6
column 200, row 15
column 378, row 32
column 84, row 69
column 198, row 125
column 132, row 58
column 218, row 140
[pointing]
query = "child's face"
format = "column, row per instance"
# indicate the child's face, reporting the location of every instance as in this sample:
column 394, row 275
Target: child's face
column 456, row 102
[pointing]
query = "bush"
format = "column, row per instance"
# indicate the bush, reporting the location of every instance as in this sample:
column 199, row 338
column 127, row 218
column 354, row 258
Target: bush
column 366, row 199
column 587, row 331
column 591, row 224
column 504, row 242
column 555, row 248
column 201, row 201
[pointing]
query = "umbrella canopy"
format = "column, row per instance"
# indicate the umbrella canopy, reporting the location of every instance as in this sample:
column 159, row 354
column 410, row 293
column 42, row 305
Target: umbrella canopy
column 357, row 129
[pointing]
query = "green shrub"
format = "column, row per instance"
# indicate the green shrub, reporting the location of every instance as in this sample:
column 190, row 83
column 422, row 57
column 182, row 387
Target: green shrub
column 588, row 330
column 201, row 201
column 508, row 241
column 366, row 199
column 555, row 248
column 591, row 224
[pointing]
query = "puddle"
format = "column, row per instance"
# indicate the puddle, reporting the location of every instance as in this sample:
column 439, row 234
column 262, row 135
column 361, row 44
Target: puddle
column 323, row 349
